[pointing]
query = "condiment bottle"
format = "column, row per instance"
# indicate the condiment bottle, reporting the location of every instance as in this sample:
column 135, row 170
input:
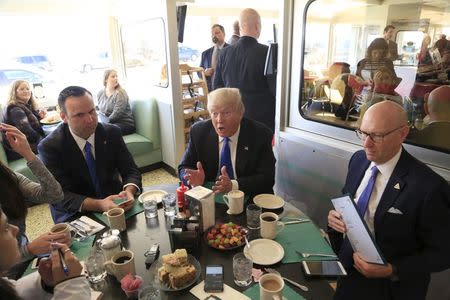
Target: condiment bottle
column 180, row 196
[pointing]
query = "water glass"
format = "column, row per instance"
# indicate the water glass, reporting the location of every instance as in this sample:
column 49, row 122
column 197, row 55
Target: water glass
column 242, row 269
column 95, row 268
column 253, row 213
column 170, row 204
column 149, row 293
column 150, row 208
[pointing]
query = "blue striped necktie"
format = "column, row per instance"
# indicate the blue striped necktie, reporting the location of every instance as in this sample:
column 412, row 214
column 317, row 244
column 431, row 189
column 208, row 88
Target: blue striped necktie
column 225, row 158
column 90, row 161
column 346, row 251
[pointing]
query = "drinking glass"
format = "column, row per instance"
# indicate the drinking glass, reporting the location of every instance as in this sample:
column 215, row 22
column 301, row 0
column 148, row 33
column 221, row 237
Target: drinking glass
column 151, row 208
column 149, row 293
column 169, row 203
column 95, row 268
column 242, row 269
column 253, row 213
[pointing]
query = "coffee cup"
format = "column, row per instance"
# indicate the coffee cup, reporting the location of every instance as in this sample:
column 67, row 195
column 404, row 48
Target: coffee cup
column 63, row 228
column 270, row 226
column 121, row 264
column 271, row 287
column 235, row 202
column 116, row 218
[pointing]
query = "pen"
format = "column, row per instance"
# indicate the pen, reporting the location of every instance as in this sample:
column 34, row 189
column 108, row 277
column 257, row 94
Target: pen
column 63, row 262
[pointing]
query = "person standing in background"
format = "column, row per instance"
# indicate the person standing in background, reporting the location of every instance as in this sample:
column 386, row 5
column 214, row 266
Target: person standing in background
column 388, row 34
column 236, row 33
column 242, row 66
column 211, row 55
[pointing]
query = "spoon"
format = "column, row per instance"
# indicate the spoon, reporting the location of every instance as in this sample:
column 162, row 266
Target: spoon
column 247, row 245
column 306, row 255
column 300, row 286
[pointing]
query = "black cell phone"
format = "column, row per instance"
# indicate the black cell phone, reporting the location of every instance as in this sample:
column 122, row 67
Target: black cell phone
column 151, row 255
column 214, row 279
column 324, row 268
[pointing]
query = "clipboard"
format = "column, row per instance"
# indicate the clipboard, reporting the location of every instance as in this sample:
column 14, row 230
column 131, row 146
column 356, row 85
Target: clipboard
column 358, row 233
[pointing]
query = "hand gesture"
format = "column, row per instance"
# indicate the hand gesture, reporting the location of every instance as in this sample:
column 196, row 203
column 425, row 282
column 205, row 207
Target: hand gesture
column 195, row 177
column 335, row 221
column 127, row 194
column 41, row 244
column 18, row 141
column 223, row 184
column 108, row 203
column 42, row 113
column 371, row 270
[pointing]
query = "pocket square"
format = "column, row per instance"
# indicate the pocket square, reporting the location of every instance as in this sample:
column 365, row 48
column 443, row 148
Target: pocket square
column 394, row 210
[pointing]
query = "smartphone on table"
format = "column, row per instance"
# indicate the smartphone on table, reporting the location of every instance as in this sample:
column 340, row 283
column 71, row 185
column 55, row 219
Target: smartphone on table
column 214, row 279
column 324, row 268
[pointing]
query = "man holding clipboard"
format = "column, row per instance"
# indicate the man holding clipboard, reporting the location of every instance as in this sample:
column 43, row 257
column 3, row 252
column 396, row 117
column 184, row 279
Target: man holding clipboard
column 406, row 208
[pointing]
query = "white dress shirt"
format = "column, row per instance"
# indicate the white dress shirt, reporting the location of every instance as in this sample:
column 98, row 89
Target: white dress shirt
column 385, row 172
column 233, row 141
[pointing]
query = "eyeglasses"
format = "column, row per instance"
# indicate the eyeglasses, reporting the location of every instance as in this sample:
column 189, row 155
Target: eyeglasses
column 224, row 114
column 374, row 137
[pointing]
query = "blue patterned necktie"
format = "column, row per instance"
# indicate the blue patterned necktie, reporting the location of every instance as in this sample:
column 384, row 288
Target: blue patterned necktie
column 225, row 158
column 90, row 161
column 346, row 251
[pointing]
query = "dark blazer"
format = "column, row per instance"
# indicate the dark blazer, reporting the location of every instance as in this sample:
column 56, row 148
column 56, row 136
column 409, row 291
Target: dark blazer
column 416, row 242
column 242, row 66
column 255, row 162
column 62, row 156
column 206, row 62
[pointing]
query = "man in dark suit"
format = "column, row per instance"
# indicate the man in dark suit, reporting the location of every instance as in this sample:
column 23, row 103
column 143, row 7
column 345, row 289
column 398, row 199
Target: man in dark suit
column 233, row 151
column 437, row 130
column 210, row 55
column 407, row 211
column 242, row 66
column 388, row 34
column 90, row 160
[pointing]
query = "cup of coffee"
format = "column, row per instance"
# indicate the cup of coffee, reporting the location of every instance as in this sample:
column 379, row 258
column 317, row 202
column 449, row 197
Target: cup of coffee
column 63, row 228
column 121, row 264
column 270, row 226
column 271, row 287
column 235, row 202
column 116, row 218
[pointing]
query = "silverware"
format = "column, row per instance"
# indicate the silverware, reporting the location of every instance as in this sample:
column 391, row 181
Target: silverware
column 78, row 228
column 91, row 227
column 306, row 255
column 300, row 286
column 295, row 222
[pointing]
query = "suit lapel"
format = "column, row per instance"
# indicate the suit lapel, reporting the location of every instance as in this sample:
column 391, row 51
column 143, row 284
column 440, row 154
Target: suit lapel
column 355, row 181
column 242, row 149
column 213, row 159
column 100, row 149
column 75, row 156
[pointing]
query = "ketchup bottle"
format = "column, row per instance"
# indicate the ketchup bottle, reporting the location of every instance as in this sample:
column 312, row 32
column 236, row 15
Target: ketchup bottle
column 180, row 196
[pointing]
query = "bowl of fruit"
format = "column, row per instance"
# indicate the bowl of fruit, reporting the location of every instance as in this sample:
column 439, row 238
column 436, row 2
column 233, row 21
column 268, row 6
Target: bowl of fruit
column 225, row 236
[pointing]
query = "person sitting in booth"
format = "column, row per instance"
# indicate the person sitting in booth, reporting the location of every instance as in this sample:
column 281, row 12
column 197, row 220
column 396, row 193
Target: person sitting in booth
column 230, row 150
column 375, row 58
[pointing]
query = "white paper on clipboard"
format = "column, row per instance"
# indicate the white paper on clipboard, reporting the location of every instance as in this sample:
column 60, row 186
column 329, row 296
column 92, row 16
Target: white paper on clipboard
column 357, row 231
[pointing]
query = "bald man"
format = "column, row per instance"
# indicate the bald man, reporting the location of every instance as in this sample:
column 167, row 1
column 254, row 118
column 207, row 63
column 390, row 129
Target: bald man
column 242, row 66
column 437, row 131
column 408, row 213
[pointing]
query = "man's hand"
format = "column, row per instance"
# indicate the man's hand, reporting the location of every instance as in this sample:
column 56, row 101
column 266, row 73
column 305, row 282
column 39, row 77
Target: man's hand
column 335, row 221
column 209, row 72
column 223, row 185
column 41, row 244
column 371, row 270
column 108, row 203
column 129, row 195
column 195, row 177
column 18, row 141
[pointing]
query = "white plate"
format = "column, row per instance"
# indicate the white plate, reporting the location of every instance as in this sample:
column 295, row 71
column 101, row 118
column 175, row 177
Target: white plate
column 152, row 193
column 264, row 252
column 268, row 201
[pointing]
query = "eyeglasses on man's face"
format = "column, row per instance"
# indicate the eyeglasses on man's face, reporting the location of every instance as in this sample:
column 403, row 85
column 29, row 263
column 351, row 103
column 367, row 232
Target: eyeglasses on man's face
column 375, row 137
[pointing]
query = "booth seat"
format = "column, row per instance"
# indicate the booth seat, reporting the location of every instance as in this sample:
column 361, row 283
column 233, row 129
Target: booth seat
column 144, row 145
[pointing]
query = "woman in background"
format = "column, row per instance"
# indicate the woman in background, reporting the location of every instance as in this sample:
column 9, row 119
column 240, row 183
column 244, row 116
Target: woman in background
column 50, row 279
column 114, row 104
column 22, row 112
column 374, row 60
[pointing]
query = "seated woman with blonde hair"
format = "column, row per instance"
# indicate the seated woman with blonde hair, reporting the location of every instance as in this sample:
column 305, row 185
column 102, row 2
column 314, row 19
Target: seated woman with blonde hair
column 114, row 104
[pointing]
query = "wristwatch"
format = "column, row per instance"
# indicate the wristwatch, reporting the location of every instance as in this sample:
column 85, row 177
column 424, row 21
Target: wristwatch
column 394, row 275
column 151, row 255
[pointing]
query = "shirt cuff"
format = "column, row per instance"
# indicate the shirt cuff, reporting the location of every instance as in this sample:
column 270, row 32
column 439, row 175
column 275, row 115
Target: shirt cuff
column 138, row 189
column 26, row 255
column 234, row 184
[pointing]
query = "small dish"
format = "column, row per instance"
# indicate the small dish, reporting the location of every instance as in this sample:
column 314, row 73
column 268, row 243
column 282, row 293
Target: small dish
column 223, row 235
column 158, row 194
column 268, row 201
column 264, row 252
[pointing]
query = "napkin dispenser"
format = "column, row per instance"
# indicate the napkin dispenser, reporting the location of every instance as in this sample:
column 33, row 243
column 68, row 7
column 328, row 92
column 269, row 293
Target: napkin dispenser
column 200, row 206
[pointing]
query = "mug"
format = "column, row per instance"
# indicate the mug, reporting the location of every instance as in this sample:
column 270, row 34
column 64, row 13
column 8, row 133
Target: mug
column 270, row 226
column 121, row 264
column 271, row 287
column 235, row 202
column 63, row 228
column 116, row 218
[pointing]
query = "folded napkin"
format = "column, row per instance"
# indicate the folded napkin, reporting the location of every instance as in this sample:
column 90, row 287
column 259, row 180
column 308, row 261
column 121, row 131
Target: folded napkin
column 218, row 198
column 302, row 237
column 89, row 226
column 288, row 293
column 136, row 209
column 228, row 292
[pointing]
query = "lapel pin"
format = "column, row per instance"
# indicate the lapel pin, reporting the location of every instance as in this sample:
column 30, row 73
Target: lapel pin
column 397, row 186
column 245, row 148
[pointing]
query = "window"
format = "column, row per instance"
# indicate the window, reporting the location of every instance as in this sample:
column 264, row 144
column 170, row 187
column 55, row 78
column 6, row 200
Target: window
column 344, row 51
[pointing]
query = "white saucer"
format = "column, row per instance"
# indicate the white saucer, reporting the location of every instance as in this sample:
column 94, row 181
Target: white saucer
column 264, row 252
column 268, row 201
column 158, row 194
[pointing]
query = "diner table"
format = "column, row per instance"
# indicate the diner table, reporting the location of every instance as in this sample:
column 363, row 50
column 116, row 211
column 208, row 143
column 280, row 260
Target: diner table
column 141, row 233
